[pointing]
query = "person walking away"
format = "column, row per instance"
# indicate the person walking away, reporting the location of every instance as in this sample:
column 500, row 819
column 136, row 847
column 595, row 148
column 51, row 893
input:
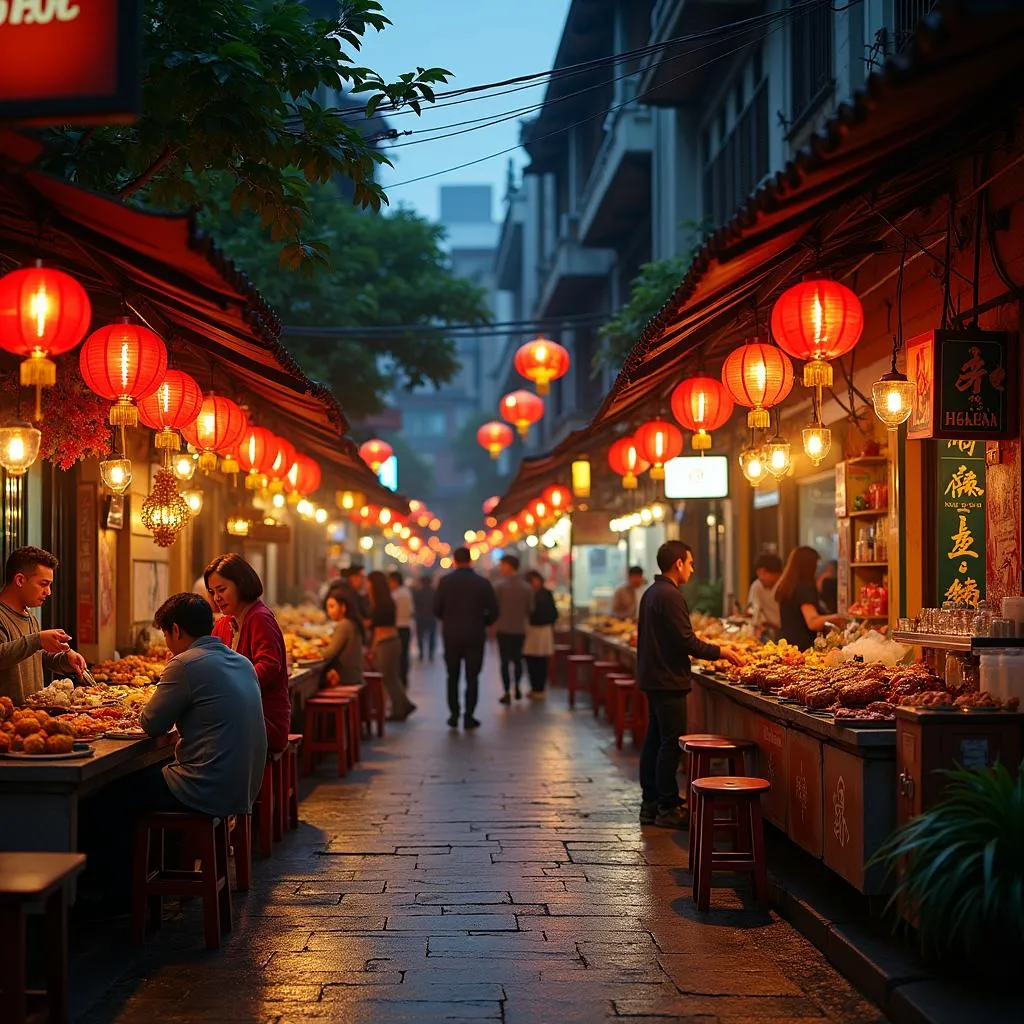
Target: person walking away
column 402, row 597
column 515, row 601
column 249, row 627
column 386, row 647
column 25, row 650
column 426, row 622
column 466, row 605
column 343, row 655
column 797, row 593
column 665, row 643
column 761, row 603
column 624, row 600
column 540, row 635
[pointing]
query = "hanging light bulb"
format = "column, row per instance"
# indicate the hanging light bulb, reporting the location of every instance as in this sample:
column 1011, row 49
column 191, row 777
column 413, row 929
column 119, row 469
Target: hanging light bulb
column 893, row 395
column 320, row 516
column 116, row 475
column 184, row 467
column 194, row 500
column 278, row 500
column 778, row 452
column 19, row 447
column 753, row 464
column 817, row 443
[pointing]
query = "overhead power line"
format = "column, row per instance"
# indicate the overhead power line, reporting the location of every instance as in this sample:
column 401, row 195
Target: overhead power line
column 551, row 324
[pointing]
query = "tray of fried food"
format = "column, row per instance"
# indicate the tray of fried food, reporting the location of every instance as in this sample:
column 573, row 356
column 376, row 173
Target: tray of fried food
column 878, row 714
column 936, row 700
column 984, row 701
column 132, row 670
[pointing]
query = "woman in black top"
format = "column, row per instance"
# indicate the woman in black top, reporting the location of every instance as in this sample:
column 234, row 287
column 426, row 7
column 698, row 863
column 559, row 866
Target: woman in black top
column 386, row 646
column 797, row 594
column 540, row 634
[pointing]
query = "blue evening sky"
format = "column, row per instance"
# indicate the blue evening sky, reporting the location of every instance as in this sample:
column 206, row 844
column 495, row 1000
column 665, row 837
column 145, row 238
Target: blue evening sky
column 479, row 41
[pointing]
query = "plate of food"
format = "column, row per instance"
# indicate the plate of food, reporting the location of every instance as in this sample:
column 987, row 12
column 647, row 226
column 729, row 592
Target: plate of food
column 76, row 753
column 126, row 734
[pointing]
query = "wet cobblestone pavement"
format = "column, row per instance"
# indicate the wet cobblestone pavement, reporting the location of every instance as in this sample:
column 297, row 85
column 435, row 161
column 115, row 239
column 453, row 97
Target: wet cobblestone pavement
column 498, row 875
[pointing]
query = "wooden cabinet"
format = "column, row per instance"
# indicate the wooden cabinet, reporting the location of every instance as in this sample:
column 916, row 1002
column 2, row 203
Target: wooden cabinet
column 806, row 822
column 929, row 741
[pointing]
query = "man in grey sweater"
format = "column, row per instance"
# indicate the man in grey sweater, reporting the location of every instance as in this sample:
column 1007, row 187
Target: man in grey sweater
column 515, row 602
column 25, row 650
column 211, row 693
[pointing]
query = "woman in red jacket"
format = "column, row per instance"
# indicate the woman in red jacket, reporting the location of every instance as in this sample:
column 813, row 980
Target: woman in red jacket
column 250, row 627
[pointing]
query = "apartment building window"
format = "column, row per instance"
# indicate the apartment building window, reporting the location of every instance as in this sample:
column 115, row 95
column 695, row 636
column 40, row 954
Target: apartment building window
column 906, row 15
column 424, row 423
column 735, row 145
column 811, row 59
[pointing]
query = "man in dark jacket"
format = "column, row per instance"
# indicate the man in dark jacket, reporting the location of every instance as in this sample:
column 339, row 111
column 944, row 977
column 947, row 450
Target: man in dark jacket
column 665, row 643
column 466, row 605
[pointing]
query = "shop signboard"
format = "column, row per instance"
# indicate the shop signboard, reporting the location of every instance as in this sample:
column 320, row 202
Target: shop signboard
column 696, row 476
column 70, row 61
column 964, row 385
column 960, row 520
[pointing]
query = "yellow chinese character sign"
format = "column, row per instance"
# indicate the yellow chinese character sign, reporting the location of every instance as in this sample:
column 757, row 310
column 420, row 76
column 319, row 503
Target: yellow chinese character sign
column 961, row 523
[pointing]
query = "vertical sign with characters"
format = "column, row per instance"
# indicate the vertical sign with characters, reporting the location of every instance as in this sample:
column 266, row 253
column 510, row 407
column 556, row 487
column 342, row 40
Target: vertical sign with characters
column 961, row 523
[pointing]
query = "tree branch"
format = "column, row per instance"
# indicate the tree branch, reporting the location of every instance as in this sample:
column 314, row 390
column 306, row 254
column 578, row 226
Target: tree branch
column 147, row 175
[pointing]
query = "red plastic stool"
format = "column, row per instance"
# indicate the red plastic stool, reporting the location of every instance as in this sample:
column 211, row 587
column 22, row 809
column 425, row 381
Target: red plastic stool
column 624, row 706
column 742, row 796
column 321, row 711
column 376, row 705
column 277, row 774
column 152, row 880
column 241, row 847
column 560, row 659
column 263, row 809
column 598, row 683
column 360, row 717
column 576, row 664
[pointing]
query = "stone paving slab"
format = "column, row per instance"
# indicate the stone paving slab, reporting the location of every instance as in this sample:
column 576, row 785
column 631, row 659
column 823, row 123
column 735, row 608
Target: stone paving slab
column 495, row 876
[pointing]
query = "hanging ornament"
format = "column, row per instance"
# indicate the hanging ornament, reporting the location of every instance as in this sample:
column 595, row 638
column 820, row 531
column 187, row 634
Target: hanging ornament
column 165, row 513
column 758, row 376
column 542, row 361
column 218, row 429
column 817, row 320
column 557, row 498
column 495, row 437
column 702, row 404
column 43, row 313
column 375, row 453
column 174, row 404
column 521, row 409
column 255, row 452
column 657, row 442
column 625, row 460
column 303, row 477
column 19, row 447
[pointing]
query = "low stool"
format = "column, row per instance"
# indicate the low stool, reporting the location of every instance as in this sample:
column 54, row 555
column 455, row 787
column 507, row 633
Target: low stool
column 321, row 712
column 376, row 704
column 291, row 772
column 241, row 847
column 599, row 683
column 576, row 666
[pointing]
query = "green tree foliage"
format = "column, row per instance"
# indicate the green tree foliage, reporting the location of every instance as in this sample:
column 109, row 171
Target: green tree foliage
column 384, row 272
column 650, row 290
column 244, row 92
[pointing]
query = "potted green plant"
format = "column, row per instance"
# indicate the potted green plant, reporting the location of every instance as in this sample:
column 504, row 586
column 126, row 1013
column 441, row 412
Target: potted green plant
column 959, row 870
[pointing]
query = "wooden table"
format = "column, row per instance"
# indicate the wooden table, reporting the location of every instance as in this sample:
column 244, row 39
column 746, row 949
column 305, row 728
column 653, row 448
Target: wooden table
column 27, row 879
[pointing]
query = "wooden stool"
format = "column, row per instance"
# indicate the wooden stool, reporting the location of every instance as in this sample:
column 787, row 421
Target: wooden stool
column 360, row 716
column 26, row 879
column 576, row 664
column 319, row 712
column 560, row 658
column 694, row 737
column 598, row 683
column 263, row 809
column 377, row 706
column 280, row 787
column 624, row 707
column 241, row 846
column 743, row 796
column 210, row 838
column 291, row 773
column 700, row 753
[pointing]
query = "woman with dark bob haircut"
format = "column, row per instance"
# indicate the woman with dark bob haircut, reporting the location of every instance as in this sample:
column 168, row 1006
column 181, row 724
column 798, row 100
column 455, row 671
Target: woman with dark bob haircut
column 250, row 627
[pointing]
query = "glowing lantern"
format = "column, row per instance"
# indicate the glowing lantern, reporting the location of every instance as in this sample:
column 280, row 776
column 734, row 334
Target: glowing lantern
column 522, row 408
column 758, row 376
column 303, row 476
column 175, row 403
column 123, row 362
column 540, row 511
column 581, row 477
column 349, row 501
column 625, row 460
column 512, row 528
column 817, row 320
column 542, row 361
column 43, row 313
column 495, row 437
column 19, row 447
column 702, row 404
column 557, row 498
column 283, row 460
column 490, row 504
column 255, row 450
column 754, row 464
column 218, row 429
column 657, row 442
column 375, row 453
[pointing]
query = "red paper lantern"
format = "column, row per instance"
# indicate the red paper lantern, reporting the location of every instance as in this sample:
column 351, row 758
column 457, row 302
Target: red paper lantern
column 257, row 451
column 817, row 320
column 557, row 498
column 43, row 312
column 702, row 404
column 375, row 453
column 657, row 442
column 123, row 362
column 542, row 361
column 491, row 504
column 521, row 408
column 758, row 376
column 174, row 404
column 625, row 460
column 495, row 437
column 217, row 430
column 283, row 459
column 304, row 476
